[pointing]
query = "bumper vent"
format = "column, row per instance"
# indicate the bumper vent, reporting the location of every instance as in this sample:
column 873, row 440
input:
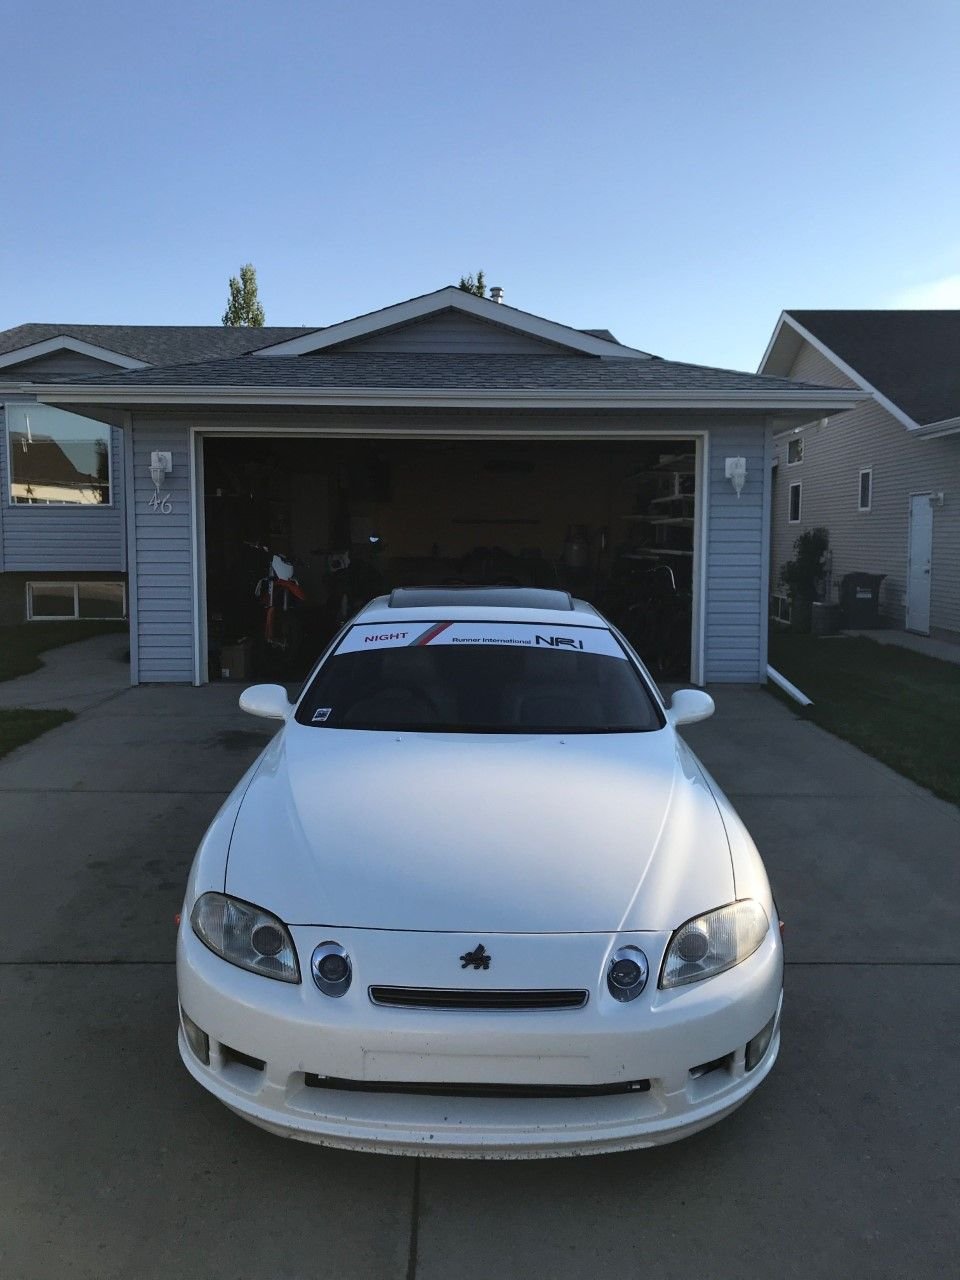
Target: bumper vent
column 454, row 998
column 313, row 1081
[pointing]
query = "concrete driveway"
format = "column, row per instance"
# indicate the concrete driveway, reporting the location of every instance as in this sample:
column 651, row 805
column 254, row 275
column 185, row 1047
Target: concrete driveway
column 115, row 1164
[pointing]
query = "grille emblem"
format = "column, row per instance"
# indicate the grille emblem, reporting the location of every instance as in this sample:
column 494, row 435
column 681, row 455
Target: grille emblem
column 478, row 958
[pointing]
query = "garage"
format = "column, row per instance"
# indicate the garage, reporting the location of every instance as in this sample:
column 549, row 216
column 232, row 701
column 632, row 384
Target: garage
column 445, row 439
column 611, row 521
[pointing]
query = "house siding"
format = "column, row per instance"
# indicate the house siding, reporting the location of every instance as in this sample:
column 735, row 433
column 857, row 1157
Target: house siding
column 163, row 579
column 162, row 582
column 58, row 364
column 37, row 539
column 452, row 331
column 875, row 541
column 735, row 610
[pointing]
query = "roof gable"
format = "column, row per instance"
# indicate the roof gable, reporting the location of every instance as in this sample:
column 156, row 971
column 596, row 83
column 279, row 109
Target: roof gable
column 132, row 346
column 451, row 331
column 907, row 359
column 559, row 337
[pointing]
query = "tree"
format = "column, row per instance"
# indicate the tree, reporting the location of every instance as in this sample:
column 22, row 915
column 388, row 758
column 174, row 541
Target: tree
column 244, row 307
column 803, row 575
column 476, row 286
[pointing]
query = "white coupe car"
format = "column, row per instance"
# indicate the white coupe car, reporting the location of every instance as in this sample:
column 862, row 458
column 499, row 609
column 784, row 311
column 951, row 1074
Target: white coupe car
column 478, row 898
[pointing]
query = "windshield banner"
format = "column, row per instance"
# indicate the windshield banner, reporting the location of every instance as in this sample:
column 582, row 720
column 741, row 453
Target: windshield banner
column 527, row 635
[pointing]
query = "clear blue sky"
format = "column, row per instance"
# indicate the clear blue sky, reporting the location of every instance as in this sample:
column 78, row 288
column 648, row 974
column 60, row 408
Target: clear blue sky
column 677, row 172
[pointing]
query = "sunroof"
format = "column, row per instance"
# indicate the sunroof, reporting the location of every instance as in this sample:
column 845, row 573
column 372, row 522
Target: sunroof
column 491, row 597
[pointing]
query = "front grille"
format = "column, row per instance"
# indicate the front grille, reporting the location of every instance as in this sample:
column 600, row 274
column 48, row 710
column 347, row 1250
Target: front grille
column 455, row 998
column 313, row 1081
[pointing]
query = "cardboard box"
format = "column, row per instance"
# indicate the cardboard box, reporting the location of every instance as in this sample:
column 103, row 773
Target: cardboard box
column 236, row 660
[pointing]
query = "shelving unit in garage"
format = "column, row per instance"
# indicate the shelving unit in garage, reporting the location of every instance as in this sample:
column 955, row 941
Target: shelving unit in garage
column 652, row 577
column 665, row 497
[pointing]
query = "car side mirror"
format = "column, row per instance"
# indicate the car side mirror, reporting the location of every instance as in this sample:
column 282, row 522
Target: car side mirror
column 267, row 700
column 689, row 705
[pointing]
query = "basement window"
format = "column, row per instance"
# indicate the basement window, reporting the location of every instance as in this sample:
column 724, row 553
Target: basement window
column 50, row 601
column 794, row 511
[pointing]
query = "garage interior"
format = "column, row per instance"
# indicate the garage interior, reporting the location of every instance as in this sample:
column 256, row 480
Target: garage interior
column 611, row 522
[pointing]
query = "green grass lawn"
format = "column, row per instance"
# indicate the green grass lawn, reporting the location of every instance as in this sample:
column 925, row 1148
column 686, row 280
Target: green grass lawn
column 20, row 726
column 21, row 646
column 901, row 707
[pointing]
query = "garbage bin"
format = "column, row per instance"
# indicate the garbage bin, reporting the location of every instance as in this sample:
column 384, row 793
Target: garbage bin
column 860, row 599
column 824, row 618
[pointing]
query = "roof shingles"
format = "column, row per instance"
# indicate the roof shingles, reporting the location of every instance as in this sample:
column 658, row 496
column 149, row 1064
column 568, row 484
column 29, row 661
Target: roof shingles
column 416, row 371
column 911, row 357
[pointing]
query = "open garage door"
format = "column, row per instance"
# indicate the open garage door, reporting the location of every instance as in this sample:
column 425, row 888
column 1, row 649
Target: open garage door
column 611, row 522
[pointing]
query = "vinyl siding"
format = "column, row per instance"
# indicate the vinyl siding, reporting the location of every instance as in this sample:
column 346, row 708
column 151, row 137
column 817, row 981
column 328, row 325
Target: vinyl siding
column 874, row 541
column 58, row 364
column 62, row 539
column 163, row 581
column 162, row 585
column 735, row 632
column 454, row 331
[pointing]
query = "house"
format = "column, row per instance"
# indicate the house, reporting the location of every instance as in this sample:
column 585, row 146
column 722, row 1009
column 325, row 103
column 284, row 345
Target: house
column 445, row 438
column 63, row 542
column 884, row 477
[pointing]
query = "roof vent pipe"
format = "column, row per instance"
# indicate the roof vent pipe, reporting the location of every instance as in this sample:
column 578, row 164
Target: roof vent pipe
column 496, row 293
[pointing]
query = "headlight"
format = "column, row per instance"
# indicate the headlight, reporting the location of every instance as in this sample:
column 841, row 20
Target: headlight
column 710, row 943
column 245, row 935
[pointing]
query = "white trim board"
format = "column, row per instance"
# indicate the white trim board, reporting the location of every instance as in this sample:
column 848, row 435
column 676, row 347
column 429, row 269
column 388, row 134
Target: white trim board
column 447, row 299
column 779, row 402
column 63, row 342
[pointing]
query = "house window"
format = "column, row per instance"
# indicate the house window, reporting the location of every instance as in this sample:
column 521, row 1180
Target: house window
column 57, row 458
column 70, row 600
column 794, row 516
column 865, row 499
column 795, row 451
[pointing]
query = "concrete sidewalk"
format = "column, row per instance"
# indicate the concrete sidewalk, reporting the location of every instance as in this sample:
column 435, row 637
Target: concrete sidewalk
column 74, row 676
column 118, row 1165
column 927, row 645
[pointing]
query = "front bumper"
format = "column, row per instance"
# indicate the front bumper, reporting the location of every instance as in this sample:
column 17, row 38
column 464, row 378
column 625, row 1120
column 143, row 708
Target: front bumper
column 278, row 1051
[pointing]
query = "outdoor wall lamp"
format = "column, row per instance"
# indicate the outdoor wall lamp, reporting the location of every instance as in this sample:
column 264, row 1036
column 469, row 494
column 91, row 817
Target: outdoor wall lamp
column 161, row 464
column 736, row 473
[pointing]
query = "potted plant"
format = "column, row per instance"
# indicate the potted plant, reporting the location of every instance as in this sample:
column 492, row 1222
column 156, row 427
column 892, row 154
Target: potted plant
column 803, row 576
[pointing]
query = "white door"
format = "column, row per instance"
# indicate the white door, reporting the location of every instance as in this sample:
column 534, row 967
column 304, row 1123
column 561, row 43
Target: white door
column 918, row 563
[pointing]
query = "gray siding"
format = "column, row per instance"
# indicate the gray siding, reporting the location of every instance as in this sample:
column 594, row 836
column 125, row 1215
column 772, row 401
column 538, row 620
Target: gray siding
column 163, row 579
column 162, row 583
column 62, row 539
column 874, row 541
column 454, row 331
column 57, row 364
column 735, row 630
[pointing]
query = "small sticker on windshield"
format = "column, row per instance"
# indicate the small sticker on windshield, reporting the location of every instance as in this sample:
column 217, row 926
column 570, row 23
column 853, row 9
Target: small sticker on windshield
column 321, row 714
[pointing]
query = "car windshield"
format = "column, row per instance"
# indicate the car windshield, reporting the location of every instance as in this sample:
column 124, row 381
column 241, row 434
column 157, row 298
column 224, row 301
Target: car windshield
column 480, row 677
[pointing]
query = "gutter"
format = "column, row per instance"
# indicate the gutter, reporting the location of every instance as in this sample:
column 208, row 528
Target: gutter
column 758, row 402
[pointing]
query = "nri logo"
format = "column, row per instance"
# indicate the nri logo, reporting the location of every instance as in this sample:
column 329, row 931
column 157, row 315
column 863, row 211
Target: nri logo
column 559, row 642
column 478, row 958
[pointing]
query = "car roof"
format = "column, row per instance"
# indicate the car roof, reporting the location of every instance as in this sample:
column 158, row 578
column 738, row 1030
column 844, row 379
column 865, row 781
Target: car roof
column 490, row 604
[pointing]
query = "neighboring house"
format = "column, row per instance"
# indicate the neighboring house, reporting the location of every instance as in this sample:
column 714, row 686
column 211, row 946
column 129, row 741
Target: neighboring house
column 63, row 545
column 448, row 436
column 884, row 477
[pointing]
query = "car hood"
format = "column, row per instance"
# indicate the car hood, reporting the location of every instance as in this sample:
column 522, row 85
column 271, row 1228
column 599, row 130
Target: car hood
column 480, row 833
